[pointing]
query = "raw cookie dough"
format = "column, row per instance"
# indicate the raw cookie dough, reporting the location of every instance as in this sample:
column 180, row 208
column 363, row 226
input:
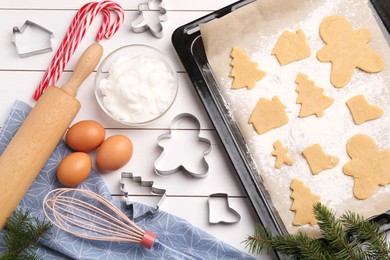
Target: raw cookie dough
column 303, row 203
column 280, row 153
column 368, row 166
column 317, row 159
column 311, row 98
column 244, row 72
column 362, row 111
column 268, row 114
column 346, row 49
column 291, row 47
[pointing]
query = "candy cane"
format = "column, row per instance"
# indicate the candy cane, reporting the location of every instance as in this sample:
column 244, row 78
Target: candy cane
column 75, row 34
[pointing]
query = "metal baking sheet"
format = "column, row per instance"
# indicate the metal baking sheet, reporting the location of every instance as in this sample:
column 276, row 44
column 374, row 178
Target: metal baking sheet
column 189, row 46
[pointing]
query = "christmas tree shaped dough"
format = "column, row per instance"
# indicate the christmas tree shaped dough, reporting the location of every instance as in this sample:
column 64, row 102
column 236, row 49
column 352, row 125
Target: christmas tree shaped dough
column 311, row 98
column 361, row 110
column 346, row 49
column 244, row 72
column 291, row 47
column 280, row 153
column 268, row 114
column 368, row 166
column 303, row 203
column 317, row 159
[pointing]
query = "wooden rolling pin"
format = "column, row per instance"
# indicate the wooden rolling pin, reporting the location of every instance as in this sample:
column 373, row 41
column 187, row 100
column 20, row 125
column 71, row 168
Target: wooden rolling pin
column 40, row 133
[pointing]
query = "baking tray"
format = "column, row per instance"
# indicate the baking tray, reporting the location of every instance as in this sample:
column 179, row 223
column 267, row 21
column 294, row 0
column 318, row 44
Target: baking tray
column 189, row 46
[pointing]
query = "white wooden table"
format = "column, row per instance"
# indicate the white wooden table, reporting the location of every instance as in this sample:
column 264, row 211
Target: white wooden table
column 186, row 197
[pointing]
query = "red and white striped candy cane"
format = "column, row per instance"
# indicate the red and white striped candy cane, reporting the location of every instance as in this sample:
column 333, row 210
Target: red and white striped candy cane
column 75, row 34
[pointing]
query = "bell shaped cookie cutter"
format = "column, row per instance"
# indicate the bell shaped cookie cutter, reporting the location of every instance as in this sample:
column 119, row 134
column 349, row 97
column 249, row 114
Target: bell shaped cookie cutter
column 139, row 24
column 16, row 31
column 147, row 184
column 198, row 168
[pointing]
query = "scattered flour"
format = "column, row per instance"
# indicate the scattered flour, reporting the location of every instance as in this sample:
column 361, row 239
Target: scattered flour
column 331, row 131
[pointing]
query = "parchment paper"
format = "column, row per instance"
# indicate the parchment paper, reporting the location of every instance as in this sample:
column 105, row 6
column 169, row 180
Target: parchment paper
column 256, row 28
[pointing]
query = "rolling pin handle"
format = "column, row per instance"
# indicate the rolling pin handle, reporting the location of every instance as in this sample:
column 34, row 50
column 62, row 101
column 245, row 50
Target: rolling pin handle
column 86, row 64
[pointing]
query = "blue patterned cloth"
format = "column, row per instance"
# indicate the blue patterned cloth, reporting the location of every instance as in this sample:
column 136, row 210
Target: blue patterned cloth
column 176, row 238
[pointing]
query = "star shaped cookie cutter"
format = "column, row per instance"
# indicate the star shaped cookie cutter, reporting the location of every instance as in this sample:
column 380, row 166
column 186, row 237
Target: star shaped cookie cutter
column 16, row 31
column 140, row 25
column 147, row 184
column 202, row 166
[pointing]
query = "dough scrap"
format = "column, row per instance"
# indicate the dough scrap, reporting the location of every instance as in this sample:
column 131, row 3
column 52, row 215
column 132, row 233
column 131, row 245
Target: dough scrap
column 291, row 47
column 368, row 166
column 268, row 114
column 346, row 49
column 303, row 203
column 317, row 159
column 244, row 72
column 362, row 111
column 311, row 98
column 280, row 153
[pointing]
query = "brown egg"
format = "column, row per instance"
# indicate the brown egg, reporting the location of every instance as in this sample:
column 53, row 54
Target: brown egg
column 74, row 169
column 114, row 153
column 85, row 136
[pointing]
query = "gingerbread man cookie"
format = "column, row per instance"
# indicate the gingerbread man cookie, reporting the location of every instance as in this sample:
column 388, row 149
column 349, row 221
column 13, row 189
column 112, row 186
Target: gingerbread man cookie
column 368, row 166
column 280, row 153
column 346, row 49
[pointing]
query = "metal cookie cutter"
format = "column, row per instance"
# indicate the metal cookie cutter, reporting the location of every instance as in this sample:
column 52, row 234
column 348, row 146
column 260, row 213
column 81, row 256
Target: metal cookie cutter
column 220, row 201
column 17, row 31
column 179, row 153
column 152, row 191
column 139, row 24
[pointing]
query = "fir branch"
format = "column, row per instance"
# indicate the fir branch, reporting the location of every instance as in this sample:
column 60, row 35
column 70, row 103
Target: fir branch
column 369, row 233
column 301, row 246
column 297, row 246
column 22, row 235
column 334, row 232
column 260, row 241
column 349, row 237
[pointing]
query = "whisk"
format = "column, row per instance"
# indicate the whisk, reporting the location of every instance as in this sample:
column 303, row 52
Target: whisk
column 86, row 214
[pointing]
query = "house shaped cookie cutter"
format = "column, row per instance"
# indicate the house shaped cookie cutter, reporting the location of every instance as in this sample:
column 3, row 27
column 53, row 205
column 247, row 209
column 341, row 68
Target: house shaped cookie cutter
column 148, row 184
column 138, row 25
column 179, row 165
column 17, row 31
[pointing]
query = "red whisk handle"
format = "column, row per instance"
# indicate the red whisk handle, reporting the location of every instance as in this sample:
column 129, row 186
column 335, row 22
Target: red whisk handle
column 148, row 239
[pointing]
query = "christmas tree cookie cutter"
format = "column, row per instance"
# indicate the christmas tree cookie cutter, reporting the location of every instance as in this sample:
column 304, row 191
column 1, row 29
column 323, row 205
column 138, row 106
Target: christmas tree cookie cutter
column 29, row 24
column 183, row 149
column 140, row 23
column 217, row 203
column 127, row 177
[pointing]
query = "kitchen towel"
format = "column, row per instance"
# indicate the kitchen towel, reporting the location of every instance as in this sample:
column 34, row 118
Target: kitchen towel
column 177, row 238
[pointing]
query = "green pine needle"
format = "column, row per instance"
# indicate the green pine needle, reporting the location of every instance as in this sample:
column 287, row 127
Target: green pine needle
column 349, row 237
column 22, row 235
column 369, row 233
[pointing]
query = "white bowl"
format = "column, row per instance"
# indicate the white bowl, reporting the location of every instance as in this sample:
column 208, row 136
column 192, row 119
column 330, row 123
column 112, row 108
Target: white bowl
column 136, row 84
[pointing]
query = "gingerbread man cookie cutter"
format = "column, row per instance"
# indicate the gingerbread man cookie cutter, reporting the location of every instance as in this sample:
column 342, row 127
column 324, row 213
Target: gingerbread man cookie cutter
column 140, row 25
column 184, row 155
column 153, row 191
